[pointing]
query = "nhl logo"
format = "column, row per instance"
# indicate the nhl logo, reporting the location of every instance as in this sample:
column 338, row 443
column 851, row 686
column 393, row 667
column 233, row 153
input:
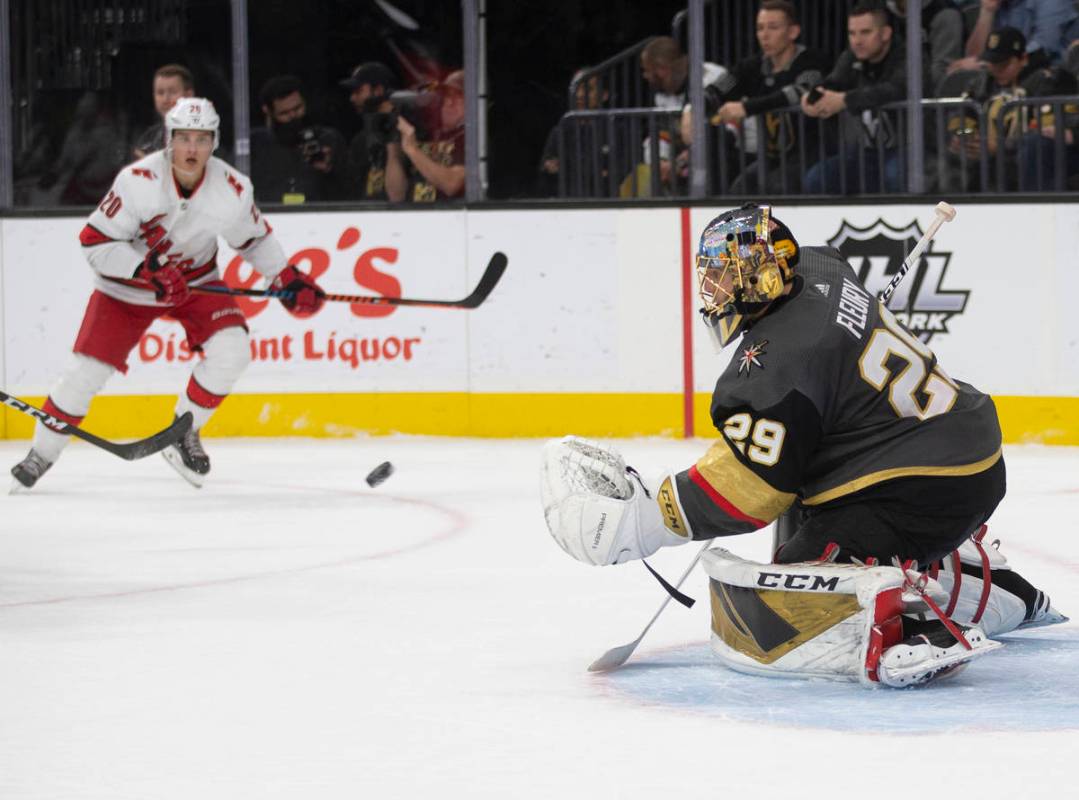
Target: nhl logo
column 875, row 254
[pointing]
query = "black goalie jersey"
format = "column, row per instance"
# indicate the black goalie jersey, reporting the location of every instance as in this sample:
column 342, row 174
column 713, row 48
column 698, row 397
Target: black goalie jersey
column 829, row 395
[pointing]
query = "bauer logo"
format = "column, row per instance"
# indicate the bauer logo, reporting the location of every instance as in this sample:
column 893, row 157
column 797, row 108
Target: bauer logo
column 920, row 302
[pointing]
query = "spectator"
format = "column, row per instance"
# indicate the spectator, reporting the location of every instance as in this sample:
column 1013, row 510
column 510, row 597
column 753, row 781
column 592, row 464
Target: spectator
column 589, row 96
column 93, row 151
column 1048, row 25
column 869, row 74
column 431, row 165
column 370, row 86
column 171, row 82
column 1071, row 59
column 942, row 34
column 764, row 84
column 1012, row 129
column 666, row 70
column 292, row 159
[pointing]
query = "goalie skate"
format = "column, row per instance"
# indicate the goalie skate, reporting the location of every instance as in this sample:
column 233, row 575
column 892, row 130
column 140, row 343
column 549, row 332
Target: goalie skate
column 931, row 655
column 1044, row 614
column 189, row 459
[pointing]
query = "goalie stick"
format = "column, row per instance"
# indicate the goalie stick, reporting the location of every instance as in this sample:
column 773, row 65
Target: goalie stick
column 130, row 451
column 495, row 267
column 943, row 213
column 617, row 656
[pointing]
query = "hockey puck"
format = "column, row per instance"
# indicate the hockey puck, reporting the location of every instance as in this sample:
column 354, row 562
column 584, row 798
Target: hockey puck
column 379, row 474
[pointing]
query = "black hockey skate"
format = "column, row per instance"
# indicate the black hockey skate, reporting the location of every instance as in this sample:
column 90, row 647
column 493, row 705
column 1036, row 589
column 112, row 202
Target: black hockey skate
column 188, row 458
column 29, row 470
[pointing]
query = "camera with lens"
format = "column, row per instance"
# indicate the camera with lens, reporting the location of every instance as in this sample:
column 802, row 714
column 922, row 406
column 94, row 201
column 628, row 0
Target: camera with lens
column 310, row 144
column 420, row 108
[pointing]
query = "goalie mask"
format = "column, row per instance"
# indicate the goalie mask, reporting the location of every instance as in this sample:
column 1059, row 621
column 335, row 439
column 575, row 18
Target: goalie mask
column 745, row 260
column 192, row 114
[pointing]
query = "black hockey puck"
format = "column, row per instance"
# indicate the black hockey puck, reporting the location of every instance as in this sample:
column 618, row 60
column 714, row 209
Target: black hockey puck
column 379, row 474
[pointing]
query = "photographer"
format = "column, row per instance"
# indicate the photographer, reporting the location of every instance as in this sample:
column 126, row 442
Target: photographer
column 292, row 160
column 432, row 157
column 369, row 88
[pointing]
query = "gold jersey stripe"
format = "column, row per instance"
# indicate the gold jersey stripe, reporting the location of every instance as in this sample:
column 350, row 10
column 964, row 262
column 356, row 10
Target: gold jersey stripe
column 743, row 488
column 901, row 472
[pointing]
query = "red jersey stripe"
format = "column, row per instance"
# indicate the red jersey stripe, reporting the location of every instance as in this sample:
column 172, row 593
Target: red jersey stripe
column 721, row 501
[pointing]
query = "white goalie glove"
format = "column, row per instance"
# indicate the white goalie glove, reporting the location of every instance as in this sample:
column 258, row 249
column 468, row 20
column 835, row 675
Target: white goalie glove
column 596, row 510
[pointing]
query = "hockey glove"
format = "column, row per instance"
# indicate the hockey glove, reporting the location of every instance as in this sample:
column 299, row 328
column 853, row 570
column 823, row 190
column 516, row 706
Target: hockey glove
column 598, row 509
column 167, row 279
column 305, row 296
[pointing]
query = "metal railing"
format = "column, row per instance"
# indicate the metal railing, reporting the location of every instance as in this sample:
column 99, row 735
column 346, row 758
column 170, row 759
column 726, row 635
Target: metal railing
column 1033, row 151
column 619, row 153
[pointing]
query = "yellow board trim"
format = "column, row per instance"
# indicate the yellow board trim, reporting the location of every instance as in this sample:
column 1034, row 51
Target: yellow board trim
column 1024, row 420
column 339, row 415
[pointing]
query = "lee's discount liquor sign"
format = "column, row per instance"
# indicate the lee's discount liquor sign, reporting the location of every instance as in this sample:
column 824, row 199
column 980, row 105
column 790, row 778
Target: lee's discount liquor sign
column 369, row 273
column 344, row 347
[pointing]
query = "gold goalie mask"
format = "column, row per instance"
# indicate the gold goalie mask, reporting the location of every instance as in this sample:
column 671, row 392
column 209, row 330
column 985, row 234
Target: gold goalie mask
column 745, row 259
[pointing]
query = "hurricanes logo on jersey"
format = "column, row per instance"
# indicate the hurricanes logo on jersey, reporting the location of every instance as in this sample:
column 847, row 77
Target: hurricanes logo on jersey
column 919, row 302
column 751, row 357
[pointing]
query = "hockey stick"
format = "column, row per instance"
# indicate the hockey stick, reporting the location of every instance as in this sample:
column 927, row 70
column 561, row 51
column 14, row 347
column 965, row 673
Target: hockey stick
column 617, row 656
column 943, row 213
column 130, row 451
column 495, row 267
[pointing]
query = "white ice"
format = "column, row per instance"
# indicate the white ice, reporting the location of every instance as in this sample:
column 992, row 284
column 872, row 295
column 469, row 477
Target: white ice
column 287, row 632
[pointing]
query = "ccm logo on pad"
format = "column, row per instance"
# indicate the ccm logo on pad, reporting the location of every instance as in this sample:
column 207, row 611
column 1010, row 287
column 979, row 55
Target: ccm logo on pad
column 812, row 583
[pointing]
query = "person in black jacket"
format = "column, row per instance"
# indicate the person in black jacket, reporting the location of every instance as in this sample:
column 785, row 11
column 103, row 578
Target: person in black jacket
column 293, row 160
column 871, row 73
column 762, row 87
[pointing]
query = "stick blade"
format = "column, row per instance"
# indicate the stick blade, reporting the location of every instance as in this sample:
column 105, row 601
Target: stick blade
column 159, row 441
column 614, row 658
column 491, row 276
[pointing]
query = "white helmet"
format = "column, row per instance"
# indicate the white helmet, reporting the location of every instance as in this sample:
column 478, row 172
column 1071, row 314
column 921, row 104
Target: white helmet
column 192, row 114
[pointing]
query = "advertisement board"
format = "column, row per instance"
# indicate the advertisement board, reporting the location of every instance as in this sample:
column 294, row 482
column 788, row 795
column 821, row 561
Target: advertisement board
column 592, row 329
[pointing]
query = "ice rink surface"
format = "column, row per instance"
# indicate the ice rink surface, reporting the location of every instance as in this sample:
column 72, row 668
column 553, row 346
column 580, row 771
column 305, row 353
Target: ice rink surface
column 287, row 632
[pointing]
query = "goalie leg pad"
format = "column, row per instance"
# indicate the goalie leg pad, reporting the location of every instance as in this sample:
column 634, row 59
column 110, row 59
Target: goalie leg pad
column 817, row 620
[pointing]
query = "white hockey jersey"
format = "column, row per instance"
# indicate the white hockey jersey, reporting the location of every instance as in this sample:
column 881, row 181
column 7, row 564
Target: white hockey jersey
column 146, row 210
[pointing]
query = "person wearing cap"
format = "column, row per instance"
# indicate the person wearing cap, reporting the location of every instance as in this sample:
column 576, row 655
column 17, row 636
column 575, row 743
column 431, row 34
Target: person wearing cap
column 1013, row 75
column 1046, row 25
column 369, row 86
column 428, row 170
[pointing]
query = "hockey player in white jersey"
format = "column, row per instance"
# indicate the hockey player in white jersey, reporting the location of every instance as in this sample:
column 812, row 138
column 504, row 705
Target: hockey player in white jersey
column 152, row 238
